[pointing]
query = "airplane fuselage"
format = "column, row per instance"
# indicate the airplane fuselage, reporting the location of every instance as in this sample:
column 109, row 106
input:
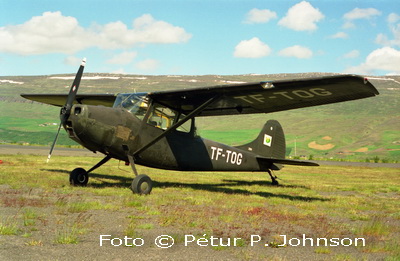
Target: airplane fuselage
column 117, row 132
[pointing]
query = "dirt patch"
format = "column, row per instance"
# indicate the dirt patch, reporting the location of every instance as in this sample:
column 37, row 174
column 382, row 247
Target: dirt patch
column 365, row 149
column 316, row 146
column 327, row 138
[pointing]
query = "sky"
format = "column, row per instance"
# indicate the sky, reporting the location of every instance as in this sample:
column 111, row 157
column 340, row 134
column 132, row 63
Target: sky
column 199, row 37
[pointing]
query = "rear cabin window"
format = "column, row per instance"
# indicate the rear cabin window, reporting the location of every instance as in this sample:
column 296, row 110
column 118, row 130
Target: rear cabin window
column 163, row 117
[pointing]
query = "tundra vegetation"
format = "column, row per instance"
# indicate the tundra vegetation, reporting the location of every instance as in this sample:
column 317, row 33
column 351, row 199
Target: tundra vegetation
column 43, row 217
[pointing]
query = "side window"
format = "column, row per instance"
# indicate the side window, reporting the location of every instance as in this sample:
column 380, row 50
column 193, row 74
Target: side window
column 161, row 117
column 186, row 126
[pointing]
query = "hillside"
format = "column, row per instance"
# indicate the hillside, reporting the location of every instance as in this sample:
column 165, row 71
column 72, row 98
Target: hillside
column 368, row 128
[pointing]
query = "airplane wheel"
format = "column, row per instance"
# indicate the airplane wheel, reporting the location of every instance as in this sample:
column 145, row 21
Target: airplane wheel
column 142, row 185
column 275, row 182
column 78, row 177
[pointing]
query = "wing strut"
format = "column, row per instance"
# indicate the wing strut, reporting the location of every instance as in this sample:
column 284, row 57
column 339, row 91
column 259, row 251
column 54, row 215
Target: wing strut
column 191, row 115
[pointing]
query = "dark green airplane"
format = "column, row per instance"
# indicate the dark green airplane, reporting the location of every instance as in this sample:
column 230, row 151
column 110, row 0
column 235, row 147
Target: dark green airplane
column 157, row 129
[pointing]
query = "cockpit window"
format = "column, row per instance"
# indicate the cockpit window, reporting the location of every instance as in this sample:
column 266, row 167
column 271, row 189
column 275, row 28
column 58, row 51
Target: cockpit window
column 160, row 116
column 136, row 103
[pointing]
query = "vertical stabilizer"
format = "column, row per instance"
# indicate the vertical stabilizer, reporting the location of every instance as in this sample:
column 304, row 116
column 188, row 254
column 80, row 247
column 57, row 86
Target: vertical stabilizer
column 270, row 143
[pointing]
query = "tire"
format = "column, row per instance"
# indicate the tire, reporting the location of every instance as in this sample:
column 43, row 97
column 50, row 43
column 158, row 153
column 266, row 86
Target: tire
column 142, row 185
column 78, row 177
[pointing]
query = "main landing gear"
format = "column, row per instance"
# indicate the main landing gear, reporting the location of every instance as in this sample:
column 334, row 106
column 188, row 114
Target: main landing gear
column 141, row 184
column 80, row 177
column 273, row 178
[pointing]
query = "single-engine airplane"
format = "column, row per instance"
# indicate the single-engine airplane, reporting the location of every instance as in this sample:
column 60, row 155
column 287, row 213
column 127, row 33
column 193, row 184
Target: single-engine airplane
column 157, row 129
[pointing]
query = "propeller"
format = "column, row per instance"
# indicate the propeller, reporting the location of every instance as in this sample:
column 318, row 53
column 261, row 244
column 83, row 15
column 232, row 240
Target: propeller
column 66, row 109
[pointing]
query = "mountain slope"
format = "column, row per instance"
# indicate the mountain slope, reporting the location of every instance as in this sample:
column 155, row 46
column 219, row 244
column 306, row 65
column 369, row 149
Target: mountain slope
column 359, row 129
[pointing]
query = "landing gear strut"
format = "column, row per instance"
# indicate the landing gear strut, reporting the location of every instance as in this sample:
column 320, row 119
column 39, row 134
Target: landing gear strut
column 80, row 177
column 273, row 178
column 141, row 184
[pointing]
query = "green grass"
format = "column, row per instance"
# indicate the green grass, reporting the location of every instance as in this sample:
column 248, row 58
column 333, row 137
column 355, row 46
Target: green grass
column 29, row 216
column 324, row 201
column 67, row 235
column 375, row 228
column 8, row 227
column 237, row 137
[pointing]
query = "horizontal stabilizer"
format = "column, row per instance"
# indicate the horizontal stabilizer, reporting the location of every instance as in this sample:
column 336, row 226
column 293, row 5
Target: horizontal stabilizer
column 268, row 162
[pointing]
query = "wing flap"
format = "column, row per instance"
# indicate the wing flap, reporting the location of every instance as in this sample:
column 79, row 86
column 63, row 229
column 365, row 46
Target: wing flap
column 60, row 99
column 272, row 96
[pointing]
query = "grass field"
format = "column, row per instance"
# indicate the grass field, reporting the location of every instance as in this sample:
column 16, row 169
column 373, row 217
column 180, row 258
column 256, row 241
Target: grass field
column 43, row 217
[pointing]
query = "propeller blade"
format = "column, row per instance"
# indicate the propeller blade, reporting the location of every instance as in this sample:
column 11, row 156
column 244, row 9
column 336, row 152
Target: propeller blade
column 54, row 143
column 66, row 109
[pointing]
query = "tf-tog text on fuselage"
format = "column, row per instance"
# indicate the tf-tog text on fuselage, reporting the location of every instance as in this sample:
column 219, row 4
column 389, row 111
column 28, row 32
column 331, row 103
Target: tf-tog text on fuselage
column 229, row 156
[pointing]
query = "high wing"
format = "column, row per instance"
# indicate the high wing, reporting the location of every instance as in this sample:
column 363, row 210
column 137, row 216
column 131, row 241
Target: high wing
column 270, row 96
column 247, row 98
column 59, row 99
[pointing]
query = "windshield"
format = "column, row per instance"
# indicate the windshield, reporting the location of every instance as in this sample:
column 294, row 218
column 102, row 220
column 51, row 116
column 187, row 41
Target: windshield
column 136, row 103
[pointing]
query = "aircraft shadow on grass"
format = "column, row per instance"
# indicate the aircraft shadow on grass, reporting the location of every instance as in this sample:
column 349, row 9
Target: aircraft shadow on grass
column 224, row 187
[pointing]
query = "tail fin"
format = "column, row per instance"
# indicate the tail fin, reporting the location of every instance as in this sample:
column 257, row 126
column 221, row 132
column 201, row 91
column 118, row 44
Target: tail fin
column 270, row 143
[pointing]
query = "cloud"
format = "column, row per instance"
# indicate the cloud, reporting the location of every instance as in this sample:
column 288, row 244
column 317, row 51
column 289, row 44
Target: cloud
column 257, row 16
column 54, row 33
column 148, row 65
column 383, row 59
column 359, row 13
column 253, row 48
column 297, row 51
column 123, row 58
column 302, row 17
column 393, row 18
column 49, row 33
column 72, row 60
column 145, row 30
column 394, row 27
column 352, row 54
column 339, row 35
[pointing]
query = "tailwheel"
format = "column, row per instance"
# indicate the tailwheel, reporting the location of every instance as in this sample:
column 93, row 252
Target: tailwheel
column 78, row 177
column 142, row 185
column 273, row 178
